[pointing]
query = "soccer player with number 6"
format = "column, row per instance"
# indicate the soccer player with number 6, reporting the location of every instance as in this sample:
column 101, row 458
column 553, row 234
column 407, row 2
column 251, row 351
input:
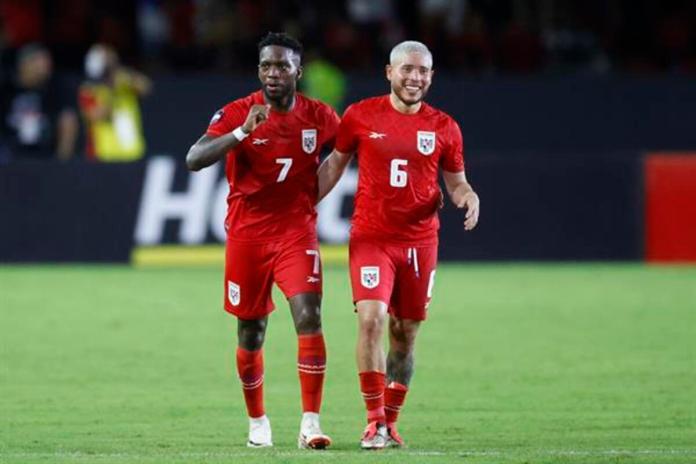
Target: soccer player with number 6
column 402, row 144
column 271, row 141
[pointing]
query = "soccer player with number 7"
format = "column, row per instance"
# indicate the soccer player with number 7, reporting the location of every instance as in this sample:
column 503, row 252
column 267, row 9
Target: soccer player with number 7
column 271, row 141
column 402, row 144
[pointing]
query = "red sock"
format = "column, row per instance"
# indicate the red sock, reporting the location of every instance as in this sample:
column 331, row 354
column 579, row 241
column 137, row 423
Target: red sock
column 250, row 369
column 394, row 396
column 311, row 365
column 372, row 389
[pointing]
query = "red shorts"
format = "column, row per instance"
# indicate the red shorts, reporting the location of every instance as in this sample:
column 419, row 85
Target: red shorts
column 251, row 268
column 400, row 276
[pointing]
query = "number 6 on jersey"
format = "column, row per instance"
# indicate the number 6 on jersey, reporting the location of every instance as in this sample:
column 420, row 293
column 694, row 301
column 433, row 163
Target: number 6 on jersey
column 397, row 177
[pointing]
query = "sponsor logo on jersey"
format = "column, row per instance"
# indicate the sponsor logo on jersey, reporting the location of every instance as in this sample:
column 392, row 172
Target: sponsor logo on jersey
column 216, row 117
column 309, row 140
column 312, row 279
column 376, row 135
column 426, row 142
column 369, row 276
column 259, row 141
column 233, row 293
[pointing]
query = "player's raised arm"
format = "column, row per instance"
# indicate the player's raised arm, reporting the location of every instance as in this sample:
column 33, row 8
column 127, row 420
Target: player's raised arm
column 331, row 171
column 463, row 196
column 208, row 149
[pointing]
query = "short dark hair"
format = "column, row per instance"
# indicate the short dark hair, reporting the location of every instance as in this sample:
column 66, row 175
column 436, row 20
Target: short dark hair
column 282, row 40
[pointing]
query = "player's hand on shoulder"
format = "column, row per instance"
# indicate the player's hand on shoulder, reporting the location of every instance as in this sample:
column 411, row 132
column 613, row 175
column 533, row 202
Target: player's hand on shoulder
column 468, row 200
column 258, row 114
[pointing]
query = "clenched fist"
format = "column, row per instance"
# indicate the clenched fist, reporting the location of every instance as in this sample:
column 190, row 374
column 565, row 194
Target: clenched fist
column 258, row 114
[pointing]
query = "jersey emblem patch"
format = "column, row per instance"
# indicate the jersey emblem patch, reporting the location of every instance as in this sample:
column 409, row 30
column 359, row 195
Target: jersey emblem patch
column 369, row 276
column 233, row 293
column 216, row 117
column 309, row 140
column 426, row 142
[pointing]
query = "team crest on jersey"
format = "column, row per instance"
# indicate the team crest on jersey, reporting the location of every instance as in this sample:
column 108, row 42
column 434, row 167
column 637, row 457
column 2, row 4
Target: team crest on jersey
column 216, row 117
column 233, row 293
column 309, row 140
column 426, row 142
column 369, row 276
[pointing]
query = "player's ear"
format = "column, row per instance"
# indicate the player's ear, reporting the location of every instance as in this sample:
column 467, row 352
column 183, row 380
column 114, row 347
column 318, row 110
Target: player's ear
column 388, row 71
column 258, row 73
column 299, row 72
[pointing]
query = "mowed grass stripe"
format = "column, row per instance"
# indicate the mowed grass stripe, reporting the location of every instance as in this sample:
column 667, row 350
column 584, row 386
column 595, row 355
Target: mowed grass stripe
column 405, row 452
column 389, row 456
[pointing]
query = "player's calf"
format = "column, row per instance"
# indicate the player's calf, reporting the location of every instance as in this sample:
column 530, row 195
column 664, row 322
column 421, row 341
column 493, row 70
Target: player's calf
column 394, row 397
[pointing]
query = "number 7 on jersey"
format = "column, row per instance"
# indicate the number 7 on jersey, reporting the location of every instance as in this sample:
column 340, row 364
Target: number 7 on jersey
column 286, row 162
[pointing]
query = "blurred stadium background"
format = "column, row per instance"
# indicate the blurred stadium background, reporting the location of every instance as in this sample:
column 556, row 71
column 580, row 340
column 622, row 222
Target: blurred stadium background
column 569, row 313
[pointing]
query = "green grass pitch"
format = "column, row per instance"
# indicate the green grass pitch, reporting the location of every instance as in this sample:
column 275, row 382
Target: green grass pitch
column 517, row 363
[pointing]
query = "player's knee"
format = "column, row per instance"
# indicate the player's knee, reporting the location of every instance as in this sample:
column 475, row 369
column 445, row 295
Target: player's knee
column 403, row 335
column 251, row 341
column 308, row 320
column 371, row 328
column 251, row 334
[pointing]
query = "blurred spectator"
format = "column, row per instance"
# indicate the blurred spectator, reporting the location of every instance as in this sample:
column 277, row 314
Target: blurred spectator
column 674, row 35
column 153, row 27
column 496, row 36
column 372, row 20
column 22, row 21
column 38, row 119
column 324, row 81
column 571, row 38
column 520, row 49
column 109, row 101
column 474, row 44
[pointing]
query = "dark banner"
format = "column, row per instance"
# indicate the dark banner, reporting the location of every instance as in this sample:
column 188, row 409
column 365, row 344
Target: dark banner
column 509, row 115
column 533, row 208
column 551, row 208
column 82, row 212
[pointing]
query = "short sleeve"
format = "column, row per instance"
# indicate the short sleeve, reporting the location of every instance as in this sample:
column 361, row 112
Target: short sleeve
column 331, row 123
column 346, row 136
column 452, row 159
column 226, row 120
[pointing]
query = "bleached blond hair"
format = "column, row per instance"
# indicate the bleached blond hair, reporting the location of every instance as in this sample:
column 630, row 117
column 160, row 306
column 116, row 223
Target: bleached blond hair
column 406, row 47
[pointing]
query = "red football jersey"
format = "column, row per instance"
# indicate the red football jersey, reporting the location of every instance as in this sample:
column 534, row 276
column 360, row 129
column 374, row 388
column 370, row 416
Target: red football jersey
column 273, row 172
column 399, row 156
